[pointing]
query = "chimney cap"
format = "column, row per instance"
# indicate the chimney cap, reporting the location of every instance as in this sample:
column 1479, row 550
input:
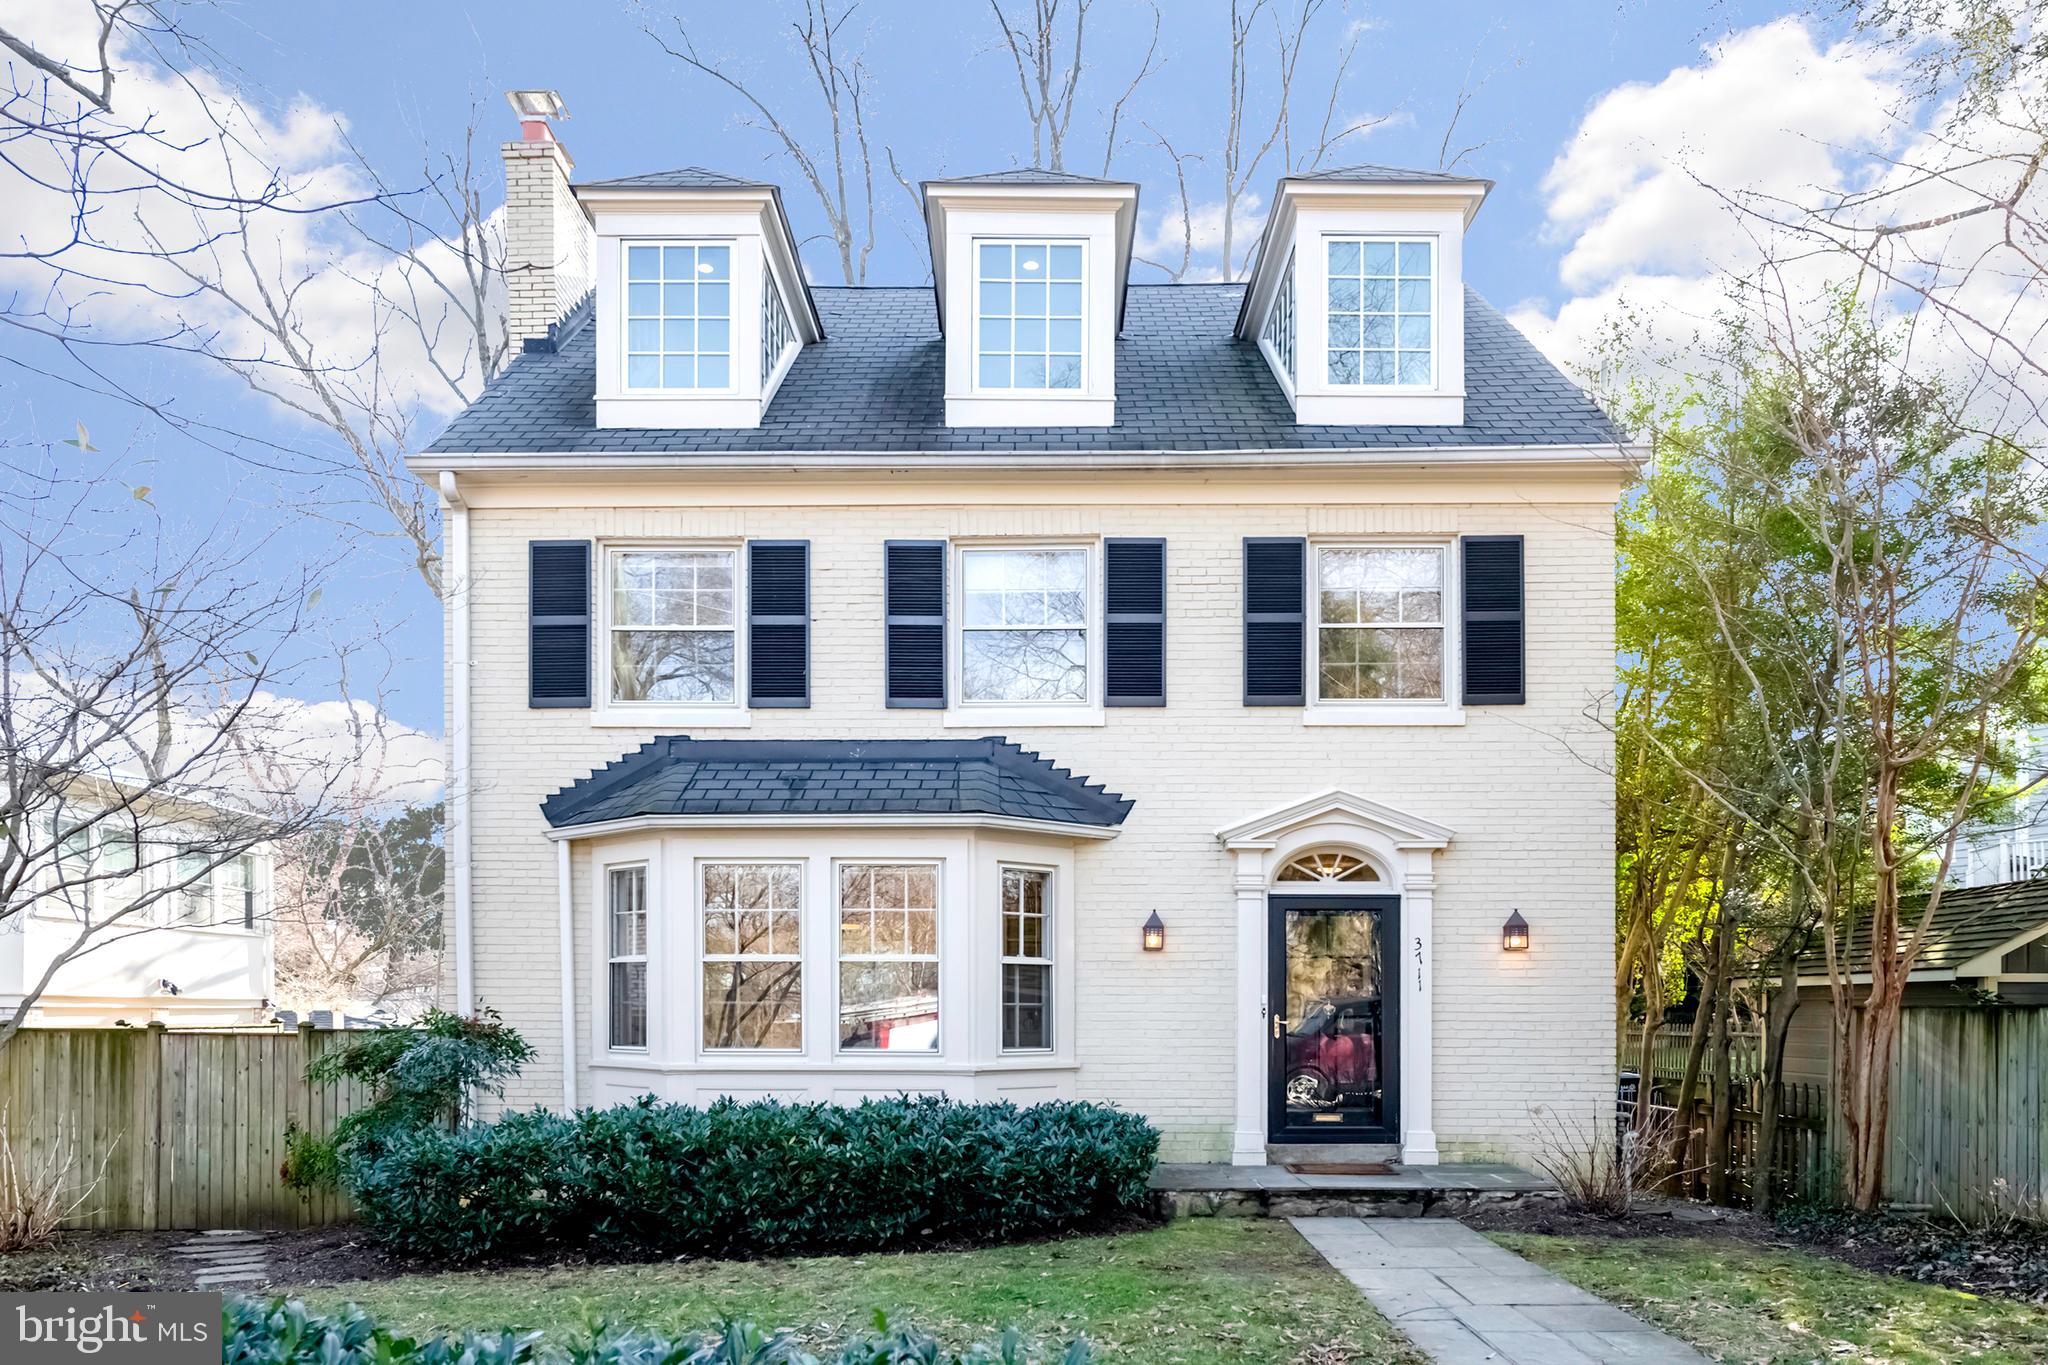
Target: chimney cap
column 537, row 104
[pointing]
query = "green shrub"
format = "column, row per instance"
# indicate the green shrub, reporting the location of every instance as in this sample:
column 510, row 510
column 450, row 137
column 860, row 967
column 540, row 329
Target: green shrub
column 750, row 1179
column 282, row 1332
column 418, row 1078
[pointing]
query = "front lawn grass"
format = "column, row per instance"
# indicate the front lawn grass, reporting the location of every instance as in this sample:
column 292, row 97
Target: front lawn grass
column 1749, row 1303
column 1194, row 1290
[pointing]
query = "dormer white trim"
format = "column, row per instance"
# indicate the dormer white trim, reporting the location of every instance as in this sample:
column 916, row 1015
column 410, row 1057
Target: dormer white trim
column 1307, row 216
column 763, row 257
column 1098, row 217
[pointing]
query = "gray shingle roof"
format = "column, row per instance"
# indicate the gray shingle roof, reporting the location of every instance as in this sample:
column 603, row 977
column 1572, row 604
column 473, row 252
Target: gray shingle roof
column 1365, row 173
column 682, row 178
column 1969, row 921
column 677, row 775
column 1025, row 175
column 1183, row 383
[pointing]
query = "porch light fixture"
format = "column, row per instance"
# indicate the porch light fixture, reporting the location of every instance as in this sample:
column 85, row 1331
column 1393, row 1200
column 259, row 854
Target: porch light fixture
column 1155, row 934
column 1514, row 935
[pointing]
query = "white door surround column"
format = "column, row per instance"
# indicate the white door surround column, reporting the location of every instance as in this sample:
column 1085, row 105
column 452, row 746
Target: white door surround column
column 1402, row 850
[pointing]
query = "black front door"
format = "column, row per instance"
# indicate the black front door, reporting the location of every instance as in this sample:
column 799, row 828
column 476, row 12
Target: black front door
column 1334, row 1024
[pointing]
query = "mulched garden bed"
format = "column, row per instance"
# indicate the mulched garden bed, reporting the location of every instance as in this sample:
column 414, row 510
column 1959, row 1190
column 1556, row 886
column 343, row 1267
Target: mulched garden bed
column 2009, row 1260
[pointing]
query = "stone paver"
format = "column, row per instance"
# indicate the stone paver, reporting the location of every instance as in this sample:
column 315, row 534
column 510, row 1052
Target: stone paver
column 1466, row 1301
column 225, row 1259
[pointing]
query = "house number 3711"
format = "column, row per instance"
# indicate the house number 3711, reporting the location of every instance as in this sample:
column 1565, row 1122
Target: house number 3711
column 1418, row 962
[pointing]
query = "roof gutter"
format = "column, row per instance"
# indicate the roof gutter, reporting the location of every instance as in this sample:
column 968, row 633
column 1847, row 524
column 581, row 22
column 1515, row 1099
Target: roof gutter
column 1624, row 456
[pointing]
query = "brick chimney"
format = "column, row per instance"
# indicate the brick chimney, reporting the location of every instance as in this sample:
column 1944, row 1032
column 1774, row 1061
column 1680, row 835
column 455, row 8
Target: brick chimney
column 550, row 250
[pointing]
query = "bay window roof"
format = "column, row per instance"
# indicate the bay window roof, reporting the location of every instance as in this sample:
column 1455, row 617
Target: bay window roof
column 727, row 778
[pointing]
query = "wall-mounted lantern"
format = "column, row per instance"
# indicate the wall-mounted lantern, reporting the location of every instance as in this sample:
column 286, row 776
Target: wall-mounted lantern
column 1154, row 937
column 1514, row 935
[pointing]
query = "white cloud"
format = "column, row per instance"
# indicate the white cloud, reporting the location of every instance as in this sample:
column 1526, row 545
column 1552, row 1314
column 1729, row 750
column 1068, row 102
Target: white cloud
column 216, row 140
column 1671, row 191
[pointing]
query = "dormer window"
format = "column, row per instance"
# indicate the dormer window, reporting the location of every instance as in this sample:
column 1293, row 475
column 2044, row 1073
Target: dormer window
column 1028, row 315
column 1382, row 312
column 678, row 315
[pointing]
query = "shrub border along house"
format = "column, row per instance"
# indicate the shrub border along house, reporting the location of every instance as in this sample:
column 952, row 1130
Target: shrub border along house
column 282, row 1332
column 746, row 1179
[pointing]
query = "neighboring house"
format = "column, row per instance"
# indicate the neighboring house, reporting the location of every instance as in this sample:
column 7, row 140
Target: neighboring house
column 786, row 622
column 1986, row 949
column 2013, row 849
column 197, row 952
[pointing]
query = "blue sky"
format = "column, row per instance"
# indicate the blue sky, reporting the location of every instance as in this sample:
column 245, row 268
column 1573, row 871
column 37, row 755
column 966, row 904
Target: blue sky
column 944, row 98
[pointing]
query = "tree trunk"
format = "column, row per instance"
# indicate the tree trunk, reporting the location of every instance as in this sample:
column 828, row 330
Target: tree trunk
column 1721, row 1114
column 1688, row 1087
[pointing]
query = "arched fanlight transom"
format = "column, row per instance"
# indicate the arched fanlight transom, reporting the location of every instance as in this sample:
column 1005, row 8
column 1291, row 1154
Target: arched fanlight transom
column 1328, row 867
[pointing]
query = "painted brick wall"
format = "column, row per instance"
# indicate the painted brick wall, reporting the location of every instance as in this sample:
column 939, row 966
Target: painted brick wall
column 1527, row 789
column 550, row 250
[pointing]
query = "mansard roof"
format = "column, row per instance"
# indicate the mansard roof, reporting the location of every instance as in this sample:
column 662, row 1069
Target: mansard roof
column 1184, row 383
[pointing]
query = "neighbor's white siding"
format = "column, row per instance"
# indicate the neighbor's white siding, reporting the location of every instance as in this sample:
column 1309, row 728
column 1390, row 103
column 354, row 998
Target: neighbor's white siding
column 1527, row 789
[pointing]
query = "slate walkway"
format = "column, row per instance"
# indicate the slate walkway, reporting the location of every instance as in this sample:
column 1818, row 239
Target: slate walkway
column 1465, row 1301
column 225, row 1260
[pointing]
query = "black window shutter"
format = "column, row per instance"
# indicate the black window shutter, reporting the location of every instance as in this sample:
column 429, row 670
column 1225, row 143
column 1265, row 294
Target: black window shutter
column 1275, row 620
column 779, row 623
column 1134, row 620
column 914, row 621
column 558, row 623
column 1495, row 645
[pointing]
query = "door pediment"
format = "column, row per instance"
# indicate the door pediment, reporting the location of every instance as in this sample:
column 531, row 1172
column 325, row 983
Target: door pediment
column 1336, row 809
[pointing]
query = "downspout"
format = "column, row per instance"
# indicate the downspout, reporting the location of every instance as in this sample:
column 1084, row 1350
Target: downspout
column 565, row 892
column 455, row 517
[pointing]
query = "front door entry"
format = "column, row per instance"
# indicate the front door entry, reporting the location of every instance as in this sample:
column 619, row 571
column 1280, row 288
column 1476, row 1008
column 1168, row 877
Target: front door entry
column 1334, row 1026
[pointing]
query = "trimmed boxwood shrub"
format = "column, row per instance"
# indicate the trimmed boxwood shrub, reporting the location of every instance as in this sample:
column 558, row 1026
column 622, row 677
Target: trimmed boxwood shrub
column 751, row 1179
column 281, row 1332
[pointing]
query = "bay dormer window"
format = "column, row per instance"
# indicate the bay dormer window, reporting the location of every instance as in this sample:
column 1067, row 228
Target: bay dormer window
column 701, row 303
column 1356, row 299
column 1031, row 267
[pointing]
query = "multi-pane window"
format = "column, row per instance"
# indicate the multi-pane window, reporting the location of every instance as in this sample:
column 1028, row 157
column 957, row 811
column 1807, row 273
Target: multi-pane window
column 1028, row 315
column 192, row 876
column 626, row 894
column 679, row 316
column 120, row 862
column 753, row 956
column 672, row 625
column 1279, row 329
column 1025, row 630
column 1379, row 623
column 777, row 335
column 1027, row 959
column 234, row 892
column 1382, row 311
column 889, row 957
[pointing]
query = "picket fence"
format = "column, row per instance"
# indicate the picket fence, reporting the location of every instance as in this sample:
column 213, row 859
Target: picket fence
column 181, row 1129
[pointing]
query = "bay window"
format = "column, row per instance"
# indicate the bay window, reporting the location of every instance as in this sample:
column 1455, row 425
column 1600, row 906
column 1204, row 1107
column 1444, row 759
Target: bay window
column 1379, row 616
column 889, row 957
column 753, row 956
column 627, row 912
column 1382, row 311
column 673, row 625
column 1024, row 633
column 1027, row 960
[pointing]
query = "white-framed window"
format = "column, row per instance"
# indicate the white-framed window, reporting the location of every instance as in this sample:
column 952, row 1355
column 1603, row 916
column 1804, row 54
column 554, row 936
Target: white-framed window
column 1380, row 623
column 1029, row 312
column 1381, row 316
column 1278, row 333
column 234, row 892
column 1027, row 959
column 626, row 915
column 678, row 315
column 778, row 334
column 753, row 956
column 671, row 624
column 192, row 901
column 1026, row 614
column 888, row 957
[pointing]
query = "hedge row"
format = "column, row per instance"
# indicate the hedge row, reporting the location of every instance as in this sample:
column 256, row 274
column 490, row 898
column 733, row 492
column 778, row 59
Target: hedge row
column 282, row 1332
column 749, row 1179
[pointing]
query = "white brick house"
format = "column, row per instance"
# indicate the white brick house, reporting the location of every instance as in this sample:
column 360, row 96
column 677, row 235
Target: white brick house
column 1310, row 577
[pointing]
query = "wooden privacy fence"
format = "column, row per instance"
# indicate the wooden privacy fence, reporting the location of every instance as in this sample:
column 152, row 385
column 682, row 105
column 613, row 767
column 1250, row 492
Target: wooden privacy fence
column 190, row 1126
column 1800, row 1163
